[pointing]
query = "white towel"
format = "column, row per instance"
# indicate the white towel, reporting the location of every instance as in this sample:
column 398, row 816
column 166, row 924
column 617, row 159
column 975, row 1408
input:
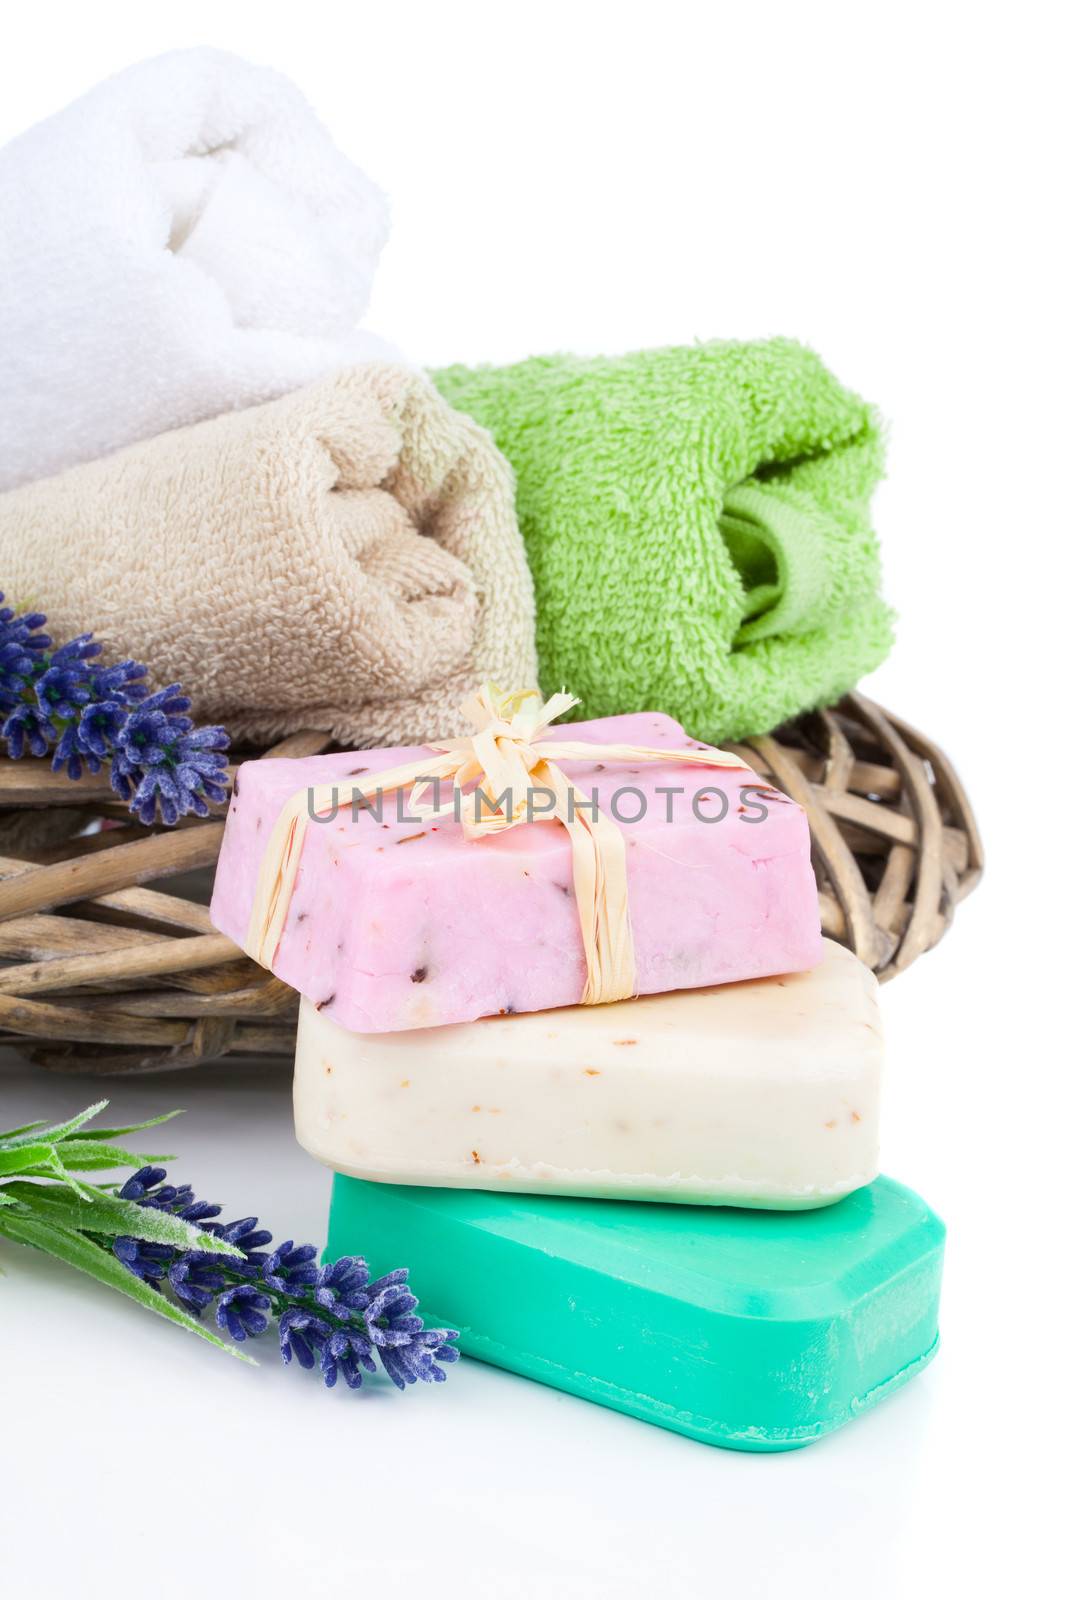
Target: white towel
column 184, row 240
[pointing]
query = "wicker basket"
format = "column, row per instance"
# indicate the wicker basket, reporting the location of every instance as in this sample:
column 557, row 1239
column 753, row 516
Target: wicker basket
column 106, row 973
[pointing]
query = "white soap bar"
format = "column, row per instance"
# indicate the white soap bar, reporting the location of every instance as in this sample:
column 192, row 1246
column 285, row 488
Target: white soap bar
column 762, row 1093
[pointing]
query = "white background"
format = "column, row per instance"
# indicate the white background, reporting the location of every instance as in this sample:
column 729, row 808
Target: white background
column 884, row 182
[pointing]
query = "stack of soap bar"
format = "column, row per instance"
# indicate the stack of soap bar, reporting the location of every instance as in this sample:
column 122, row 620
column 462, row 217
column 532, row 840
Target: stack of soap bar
column 758, row 1330
column 753, row 1094
column 502, row 1140
column 398, row 924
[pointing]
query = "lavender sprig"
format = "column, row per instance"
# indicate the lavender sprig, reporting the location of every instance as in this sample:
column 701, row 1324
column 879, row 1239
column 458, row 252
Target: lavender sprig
column 89, row 715
column 330, row 1315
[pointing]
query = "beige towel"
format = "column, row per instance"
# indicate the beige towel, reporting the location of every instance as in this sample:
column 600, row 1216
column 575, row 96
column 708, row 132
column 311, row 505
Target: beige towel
column 344, row 558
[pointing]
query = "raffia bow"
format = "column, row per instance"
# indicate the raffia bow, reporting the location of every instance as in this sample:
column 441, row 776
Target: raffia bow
column 506, row 761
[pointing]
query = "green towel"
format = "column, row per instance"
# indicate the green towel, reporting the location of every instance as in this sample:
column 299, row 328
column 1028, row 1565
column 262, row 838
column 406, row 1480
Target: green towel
column 696, row 520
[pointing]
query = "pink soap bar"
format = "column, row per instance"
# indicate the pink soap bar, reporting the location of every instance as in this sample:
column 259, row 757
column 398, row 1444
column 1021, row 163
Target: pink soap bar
column 398, row 923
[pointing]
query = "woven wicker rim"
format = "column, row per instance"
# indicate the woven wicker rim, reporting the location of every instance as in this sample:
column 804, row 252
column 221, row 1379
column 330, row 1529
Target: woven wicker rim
column 107, row 974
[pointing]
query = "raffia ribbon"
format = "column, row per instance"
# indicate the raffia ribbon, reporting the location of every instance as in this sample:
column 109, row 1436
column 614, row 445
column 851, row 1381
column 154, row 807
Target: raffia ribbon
column 505, row 759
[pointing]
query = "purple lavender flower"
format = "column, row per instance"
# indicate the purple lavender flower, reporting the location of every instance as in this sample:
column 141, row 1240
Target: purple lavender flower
column 160, row 759
column 22, row 646
column 417, row 1362
column 27, row 726
column 144, row 1260
column 63, row 688
column 287, row 1268
column 120, row 681
column 302, row 1335
column 98, row 728
column 246, row 1236
column 346, row 1353
column 90, row 715
column 197, row 1211
column 146, row 1186
column 384, row 1312
column 68, row 758
column 239, row 1311
column 342, row 1285
column 331, row 1315
column 138, row 1185
column 196, row 1277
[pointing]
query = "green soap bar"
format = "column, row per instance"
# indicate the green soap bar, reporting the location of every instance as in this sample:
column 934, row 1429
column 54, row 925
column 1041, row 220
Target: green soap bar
column 756, row 1330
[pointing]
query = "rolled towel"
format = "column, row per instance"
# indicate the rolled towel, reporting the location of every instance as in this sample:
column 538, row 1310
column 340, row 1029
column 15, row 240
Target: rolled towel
column 182, row 241
column 697, row 525
column 346, row 557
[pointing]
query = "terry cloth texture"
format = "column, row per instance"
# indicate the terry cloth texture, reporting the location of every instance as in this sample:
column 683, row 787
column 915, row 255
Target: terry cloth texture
column 346, row 557
column 697, row 526
column 184, row 240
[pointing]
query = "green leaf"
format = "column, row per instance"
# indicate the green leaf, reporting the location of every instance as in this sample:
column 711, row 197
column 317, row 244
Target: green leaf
column 58, row 1130
column 77, row 1252
column 14, row 1133
column 104, row 1213
column 39, row 1132
column 134, row 1127
column 89, row 1155
column 56, row 1167
column 5, row 1199
column 51, row 1167
column 24, row 1159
